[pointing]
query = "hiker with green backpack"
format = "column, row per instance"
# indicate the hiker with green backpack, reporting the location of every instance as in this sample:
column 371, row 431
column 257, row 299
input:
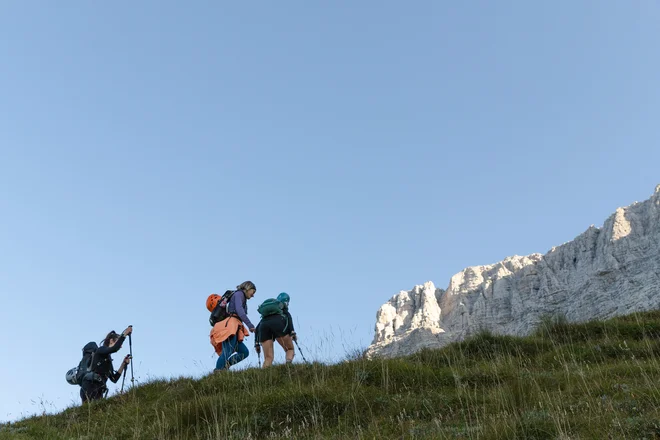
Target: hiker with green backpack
column 276, row 324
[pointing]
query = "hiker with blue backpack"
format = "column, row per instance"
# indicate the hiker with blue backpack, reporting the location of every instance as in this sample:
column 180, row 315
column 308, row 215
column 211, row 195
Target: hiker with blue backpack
column 276, row 325
column 100, row 369
column 230, row 324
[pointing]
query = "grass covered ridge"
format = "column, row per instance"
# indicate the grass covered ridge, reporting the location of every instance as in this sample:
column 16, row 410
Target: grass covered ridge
column 595, row 380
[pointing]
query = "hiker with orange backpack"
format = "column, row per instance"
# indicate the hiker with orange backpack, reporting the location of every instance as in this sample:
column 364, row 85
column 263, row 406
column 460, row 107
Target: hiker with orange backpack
column 229, row 320
column 276, row 325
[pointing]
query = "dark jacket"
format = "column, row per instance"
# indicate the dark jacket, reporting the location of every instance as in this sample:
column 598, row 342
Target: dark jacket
column 102, row 361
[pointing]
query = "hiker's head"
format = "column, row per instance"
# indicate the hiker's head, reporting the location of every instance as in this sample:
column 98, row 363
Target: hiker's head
column 111, row 339
column 284, row 298
column 248, row 288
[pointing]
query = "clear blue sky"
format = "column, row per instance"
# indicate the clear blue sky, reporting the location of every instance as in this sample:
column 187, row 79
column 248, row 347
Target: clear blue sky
column 156, row 152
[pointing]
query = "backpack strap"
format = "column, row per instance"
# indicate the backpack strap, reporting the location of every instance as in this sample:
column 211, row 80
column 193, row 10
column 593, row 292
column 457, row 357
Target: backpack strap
column 91, row 361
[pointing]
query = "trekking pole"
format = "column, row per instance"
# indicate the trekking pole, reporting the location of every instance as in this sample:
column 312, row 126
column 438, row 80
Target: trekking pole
column 300, row 351
column 257, row 345
column 130, row 348
column 123, row 380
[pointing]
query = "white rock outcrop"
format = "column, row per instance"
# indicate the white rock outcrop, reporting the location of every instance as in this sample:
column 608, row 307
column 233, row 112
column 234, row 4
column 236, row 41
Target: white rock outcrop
column 602, row 273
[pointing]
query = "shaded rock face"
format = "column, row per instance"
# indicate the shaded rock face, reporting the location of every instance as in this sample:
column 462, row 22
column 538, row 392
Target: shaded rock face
column 602, row 273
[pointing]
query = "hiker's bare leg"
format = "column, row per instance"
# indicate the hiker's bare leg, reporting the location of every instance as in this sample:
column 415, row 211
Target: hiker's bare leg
column 287, row 344
column 269, row 352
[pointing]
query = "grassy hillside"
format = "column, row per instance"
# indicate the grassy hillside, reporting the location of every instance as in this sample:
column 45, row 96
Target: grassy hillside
column 596, row 380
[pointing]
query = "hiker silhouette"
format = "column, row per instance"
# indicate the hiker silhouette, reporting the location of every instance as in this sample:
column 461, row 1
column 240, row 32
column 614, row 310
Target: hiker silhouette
column 276, row 325
column 227, row 334
column 93, row 386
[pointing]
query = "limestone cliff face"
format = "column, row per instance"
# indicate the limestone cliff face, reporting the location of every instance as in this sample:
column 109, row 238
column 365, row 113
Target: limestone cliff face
column 602, row 273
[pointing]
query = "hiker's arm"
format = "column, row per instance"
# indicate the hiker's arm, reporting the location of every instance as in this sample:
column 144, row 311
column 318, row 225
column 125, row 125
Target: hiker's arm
column 291, row 331
column 115, row 348
column 114, row 377
column 290, row 321
column 240, row 311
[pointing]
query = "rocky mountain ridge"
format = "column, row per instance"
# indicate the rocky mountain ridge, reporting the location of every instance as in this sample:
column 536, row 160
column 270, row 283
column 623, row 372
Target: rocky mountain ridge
column 603, row 272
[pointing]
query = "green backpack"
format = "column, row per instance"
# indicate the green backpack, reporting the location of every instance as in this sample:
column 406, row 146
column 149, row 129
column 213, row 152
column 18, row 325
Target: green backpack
column 271, row 307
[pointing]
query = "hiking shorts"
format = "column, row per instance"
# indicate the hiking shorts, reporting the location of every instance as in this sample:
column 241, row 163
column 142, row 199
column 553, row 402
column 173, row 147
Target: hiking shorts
column 272, row 327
